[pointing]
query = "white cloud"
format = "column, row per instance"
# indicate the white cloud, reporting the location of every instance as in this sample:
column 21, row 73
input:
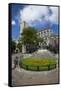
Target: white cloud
column 54, row 17
column 13, row 22
column 32, row 13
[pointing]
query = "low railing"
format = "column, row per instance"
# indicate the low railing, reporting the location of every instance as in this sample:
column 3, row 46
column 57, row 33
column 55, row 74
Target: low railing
column 38, row 68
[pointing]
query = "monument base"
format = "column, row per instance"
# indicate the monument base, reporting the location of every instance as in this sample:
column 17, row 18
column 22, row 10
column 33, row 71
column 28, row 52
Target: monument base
column 23, row 49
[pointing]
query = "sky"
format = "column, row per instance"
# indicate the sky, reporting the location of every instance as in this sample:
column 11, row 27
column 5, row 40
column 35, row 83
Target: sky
column 39, row 17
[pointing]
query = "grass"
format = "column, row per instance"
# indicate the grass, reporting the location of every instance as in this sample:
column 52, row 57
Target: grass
column 38, row 64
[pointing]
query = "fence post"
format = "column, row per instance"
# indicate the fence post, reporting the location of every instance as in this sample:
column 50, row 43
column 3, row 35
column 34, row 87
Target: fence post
column 55, row 65
column 27, row 67
column 48, row 67
column 37, row 68
column 21, row 64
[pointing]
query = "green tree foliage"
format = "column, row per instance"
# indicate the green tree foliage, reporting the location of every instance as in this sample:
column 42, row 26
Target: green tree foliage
column 30, row 39
column 29, row 36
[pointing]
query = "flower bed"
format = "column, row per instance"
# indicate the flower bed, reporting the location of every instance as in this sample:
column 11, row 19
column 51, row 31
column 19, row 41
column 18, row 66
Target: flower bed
column 38, row 64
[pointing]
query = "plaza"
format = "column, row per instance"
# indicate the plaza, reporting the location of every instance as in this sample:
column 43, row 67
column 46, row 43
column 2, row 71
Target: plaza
column 21, row 76
column 35, row 46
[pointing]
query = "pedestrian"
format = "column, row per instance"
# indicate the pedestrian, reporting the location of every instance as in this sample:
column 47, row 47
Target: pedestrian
column 15, row 62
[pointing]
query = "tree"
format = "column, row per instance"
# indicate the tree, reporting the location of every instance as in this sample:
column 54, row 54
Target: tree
column 29, row 38
column 13, row 46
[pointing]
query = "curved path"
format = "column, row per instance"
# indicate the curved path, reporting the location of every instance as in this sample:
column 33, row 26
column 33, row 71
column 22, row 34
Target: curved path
column 23, row 77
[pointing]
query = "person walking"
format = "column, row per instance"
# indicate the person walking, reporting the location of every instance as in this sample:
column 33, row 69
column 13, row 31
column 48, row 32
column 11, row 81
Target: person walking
column 15, row 62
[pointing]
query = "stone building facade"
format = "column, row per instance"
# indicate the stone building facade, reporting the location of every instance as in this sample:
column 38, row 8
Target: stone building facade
column 48, row 36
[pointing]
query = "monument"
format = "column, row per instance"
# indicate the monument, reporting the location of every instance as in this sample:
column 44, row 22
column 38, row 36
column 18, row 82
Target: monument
column 23, row 25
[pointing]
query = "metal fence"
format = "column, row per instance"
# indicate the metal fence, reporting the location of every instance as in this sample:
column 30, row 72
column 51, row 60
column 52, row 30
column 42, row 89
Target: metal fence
column 38, row 68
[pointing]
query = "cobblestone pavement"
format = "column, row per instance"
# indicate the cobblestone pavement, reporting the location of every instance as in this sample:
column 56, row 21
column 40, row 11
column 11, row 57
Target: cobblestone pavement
column 24, row 77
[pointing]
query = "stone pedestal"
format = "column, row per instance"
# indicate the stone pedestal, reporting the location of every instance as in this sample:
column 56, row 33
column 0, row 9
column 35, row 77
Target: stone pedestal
column 23, row 48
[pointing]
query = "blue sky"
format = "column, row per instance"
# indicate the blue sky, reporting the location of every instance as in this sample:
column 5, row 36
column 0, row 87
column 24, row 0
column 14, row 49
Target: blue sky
column 39, row 17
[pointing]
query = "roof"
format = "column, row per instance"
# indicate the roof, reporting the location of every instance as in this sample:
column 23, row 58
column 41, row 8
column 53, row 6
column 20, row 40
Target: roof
column 44, row 29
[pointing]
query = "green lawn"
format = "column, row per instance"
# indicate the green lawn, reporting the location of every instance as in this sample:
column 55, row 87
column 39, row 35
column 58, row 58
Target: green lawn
column 38, row 64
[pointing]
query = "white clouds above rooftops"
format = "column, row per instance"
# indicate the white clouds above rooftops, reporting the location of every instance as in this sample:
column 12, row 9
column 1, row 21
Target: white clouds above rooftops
column 40, row 13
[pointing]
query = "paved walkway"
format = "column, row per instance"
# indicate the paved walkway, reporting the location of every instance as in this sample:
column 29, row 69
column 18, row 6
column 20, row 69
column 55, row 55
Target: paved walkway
column 24, row 77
